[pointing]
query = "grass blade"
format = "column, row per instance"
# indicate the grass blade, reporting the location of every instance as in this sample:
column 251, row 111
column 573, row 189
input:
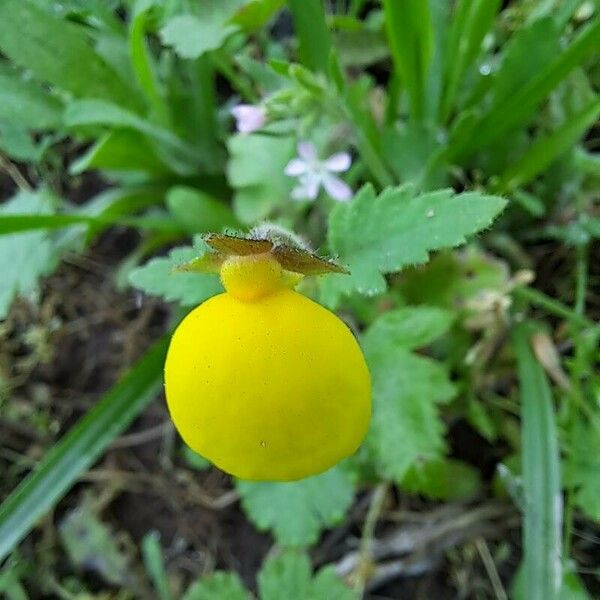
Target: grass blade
column 548, row 148
column 144, row 67
column 155, row 566
column 471, row 22
column 541, row 478
column 17, row 223
column 517, row 110
column 80, row 448
column 410, row 35
column 312, row 32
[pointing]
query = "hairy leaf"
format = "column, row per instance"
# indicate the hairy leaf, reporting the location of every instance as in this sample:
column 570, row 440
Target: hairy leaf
column 158, row 277
column 297, row 511
column 219, row 585
column 289, row 575
column 374, row 235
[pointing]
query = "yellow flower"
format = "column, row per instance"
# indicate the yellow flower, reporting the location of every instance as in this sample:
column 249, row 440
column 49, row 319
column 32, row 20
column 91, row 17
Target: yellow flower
column 264, row 382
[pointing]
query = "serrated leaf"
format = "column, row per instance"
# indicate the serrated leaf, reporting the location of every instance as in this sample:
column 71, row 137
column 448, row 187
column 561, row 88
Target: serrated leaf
column 409, row 327
column 285, row 576
column 260, row 185
column 406, row 428
column 158, row 277
column 25, row 257
column 297, row 511
column 289, row 575
column 219, row 585
column 375, row 235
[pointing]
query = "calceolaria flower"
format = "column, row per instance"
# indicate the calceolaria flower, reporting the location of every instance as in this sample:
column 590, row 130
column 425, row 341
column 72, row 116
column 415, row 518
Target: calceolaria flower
column 261, row 380
column 248, row 118
column 312, row 173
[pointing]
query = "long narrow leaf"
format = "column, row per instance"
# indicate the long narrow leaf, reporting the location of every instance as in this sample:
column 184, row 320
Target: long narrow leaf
column 80, row 448
column 16, row 223
column 313, row 35
column 470, row 24
column 517, row 110
column 144, row 67
column 546, row 149
column 541, row 478
column 410, row 35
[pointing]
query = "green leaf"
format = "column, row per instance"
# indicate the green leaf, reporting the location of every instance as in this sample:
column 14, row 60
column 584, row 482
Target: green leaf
column 199, row 212
column 410, row 35
column 312, row 33
column 408, row 151
column 405, row 427
column 260, row 185
column 158, row 278
column 120, row 150
column 17, row 143
column 25, row 257
column 219, row 585
column 193, row 35
column 254, row 14
column 471, row 21
column 450, row 279
column 519, row 107
column 143, row 64
column 541, row 479
column 409, row 327
column 582, row 468
column 26, row 103
column 374, row 235
column 80, row 448
column 28, row 222
column 155, row 566
column 547, row 149
column 572, row 587
column 443, row 479
column 289, row 575
column 297, row 511
column 99, row 112
column 58, row 52
column 194, row 460
column 91, row 545
column 528, row 51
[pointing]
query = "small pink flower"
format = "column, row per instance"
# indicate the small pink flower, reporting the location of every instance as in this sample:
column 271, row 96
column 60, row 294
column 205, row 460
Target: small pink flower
column 312, row 173
column 248, row 118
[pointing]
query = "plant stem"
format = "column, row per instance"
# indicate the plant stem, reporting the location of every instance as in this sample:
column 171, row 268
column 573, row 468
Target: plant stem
column 552, row 306
column 366, row 542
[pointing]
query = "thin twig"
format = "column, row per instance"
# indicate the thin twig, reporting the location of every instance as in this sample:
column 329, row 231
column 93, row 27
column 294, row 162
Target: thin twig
column 9, row 168
column 490, row 567
column 366, row 544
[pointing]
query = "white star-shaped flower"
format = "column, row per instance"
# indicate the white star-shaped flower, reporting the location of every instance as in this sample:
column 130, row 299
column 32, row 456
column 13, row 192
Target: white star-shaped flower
column 314, row 173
